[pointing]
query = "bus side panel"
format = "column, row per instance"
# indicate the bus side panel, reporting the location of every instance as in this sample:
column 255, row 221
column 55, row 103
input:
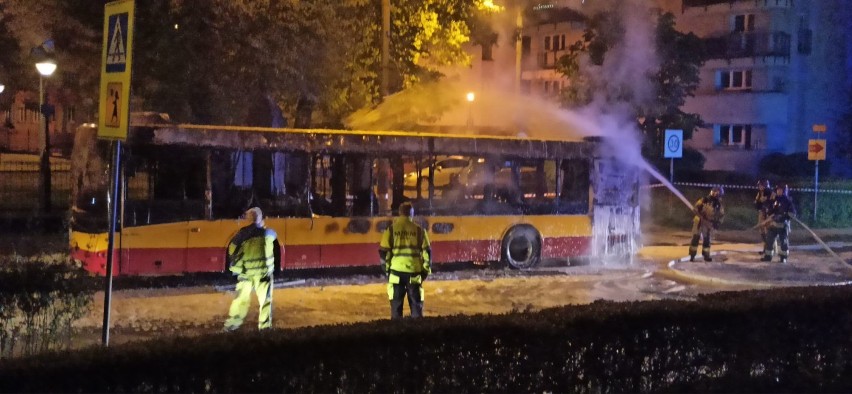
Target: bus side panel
column 331, row 242
column 566, row 247
column 159, row 249
column 479, row 238
column 207, row 242
column 300, row 248
column 89, row 250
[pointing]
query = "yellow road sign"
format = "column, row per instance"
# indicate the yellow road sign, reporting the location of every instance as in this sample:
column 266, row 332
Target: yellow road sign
column 816, row 149
column 117, row 58
column 819, row 128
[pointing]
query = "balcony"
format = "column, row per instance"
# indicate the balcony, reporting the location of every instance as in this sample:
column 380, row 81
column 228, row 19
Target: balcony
column 748, row 44
column 547, row 59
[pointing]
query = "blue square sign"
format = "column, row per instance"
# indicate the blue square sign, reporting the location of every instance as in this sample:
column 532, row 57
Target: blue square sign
column 673, row 144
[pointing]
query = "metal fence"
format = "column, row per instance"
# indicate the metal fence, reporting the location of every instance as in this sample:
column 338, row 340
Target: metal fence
column 20, row 183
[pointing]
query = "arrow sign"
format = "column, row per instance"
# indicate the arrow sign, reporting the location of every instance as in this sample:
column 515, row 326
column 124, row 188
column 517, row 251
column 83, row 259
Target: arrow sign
column 816, row 149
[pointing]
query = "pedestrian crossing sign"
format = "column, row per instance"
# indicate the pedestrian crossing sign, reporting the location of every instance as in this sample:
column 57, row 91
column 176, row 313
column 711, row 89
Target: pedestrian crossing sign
column 117, row 58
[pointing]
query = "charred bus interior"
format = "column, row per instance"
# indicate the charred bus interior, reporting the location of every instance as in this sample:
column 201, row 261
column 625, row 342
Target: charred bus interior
column 172, row 181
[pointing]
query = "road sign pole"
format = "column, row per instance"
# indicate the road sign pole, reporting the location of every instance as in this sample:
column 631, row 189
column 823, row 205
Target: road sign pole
column 671, row 171
column 816, row 188
column 113, row 218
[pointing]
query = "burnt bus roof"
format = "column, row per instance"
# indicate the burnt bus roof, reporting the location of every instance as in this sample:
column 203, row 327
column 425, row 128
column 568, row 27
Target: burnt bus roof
column 345, row 141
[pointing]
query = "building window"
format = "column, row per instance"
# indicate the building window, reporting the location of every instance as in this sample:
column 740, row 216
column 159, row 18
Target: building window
column 805, row 36
column 526, row 42
column 547, row 43
column 743, row 23
column 733, row 80
column 70, row 113
column 563, row 42
column 733, row 135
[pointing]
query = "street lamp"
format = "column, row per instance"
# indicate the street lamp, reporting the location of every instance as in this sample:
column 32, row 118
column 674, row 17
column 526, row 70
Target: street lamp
column 45, row 68
column 470, row 97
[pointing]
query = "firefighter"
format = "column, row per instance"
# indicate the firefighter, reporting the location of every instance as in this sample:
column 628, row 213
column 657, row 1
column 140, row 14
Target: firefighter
column 780, row 212
column 761, row 204
column 253, row 254
column 406, row 260
column 709, row 213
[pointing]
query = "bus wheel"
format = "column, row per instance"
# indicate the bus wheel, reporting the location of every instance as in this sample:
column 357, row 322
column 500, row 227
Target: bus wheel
column 521, row 247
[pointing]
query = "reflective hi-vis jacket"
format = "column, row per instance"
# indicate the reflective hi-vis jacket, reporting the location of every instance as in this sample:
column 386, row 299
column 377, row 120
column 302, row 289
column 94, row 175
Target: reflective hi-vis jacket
column 405, row 246
column 251, row 251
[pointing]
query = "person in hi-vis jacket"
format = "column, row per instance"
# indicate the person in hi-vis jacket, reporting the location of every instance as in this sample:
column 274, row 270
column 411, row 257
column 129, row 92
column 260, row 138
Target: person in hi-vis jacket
column 253, row 254
column 406, row 260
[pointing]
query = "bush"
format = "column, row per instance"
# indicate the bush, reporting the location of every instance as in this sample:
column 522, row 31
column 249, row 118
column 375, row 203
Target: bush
column 691, row 162
column 795, row 165
column 790, row 340
column 40, row 297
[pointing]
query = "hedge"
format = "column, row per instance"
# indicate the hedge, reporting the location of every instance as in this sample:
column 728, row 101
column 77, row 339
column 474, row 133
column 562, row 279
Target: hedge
column 791, row 340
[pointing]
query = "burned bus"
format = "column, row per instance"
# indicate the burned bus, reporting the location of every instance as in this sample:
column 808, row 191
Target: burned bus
column 329, row 194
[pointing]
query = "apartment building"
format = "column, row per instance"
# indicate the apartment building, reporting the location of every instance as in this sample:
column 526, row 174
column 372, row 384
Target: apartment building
column 775, row 69
column 545, row 39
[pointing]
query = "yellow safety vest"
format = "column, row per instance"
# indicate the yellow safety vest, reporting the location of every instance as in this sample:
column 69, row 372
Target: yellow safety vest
column 407, row 247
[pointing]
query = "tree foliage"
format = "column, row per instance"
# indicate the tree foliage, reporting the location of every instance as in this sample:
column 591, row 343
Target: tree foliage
column 674, row 77
column 225, row 61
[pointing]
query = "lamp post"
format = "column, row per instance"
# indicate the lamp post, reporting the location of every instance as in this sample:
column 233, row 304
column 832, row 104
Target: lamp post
column 470, row 97
column 45, row 68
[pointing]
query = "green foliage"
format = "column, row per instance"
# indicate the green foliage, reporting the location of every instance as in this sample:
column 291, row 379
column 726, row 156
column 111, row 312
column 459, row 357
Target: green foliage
column 834, row 210
column 791, row 339
column 691, row 162
column 221, row 61
column 40, row 298
column 672, row 79
column 778, row 165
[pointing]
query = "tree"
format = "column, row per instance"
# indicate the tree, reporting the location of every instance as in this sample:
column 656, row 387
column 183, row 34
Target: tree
column 673, row 77
column 224, row 61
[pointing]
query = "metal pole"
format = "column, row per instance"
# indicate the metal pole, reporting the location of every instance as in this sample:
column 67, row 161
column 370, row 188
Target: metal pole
column 44, row 166
column 816, row 187
column 671, row 170
column 113, row 215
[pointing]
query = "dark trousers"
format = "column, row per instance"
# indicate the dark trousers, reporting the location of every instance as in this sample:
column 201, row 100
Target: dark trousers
column 399, row 290
column 777, row 233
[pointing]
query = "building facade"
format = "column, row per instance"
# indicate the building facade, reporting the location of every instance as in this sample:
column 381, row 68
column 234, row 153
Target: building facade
column 775, row 69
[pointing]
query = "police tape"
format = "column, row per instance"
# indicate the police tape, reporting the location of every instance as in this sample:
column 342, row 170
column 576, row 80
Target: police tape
column 749, row 187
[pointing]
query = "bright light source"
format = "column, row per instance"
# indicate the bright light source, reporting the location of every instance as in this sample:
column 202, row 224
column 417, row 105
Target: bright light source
column 2, row 88
column 470, row 96
column 177, row 26
column 489, row 6
column 46, row 68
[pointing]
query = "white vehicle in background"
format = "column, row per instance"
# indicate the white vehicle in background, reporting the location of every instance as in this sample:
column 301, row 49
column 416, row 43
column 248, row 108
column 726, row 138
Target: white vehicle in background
column 445, row 169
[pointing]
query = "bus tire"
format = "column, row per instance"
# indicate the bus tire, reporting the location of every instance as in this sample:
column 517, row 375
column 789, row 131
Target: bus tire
column 521, row 247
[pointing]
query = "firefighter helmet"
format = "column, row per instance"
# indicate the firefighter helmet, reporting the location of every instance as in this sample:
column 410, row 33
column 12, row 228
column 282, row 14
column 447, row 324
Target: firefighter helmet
column 719, row 190
column 764, row 183
column 783, row 188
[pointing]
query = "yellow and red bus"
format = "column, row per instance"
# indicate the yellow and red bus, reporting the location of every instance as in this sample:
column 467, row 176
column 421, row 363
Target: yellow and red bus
column 329, row 194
